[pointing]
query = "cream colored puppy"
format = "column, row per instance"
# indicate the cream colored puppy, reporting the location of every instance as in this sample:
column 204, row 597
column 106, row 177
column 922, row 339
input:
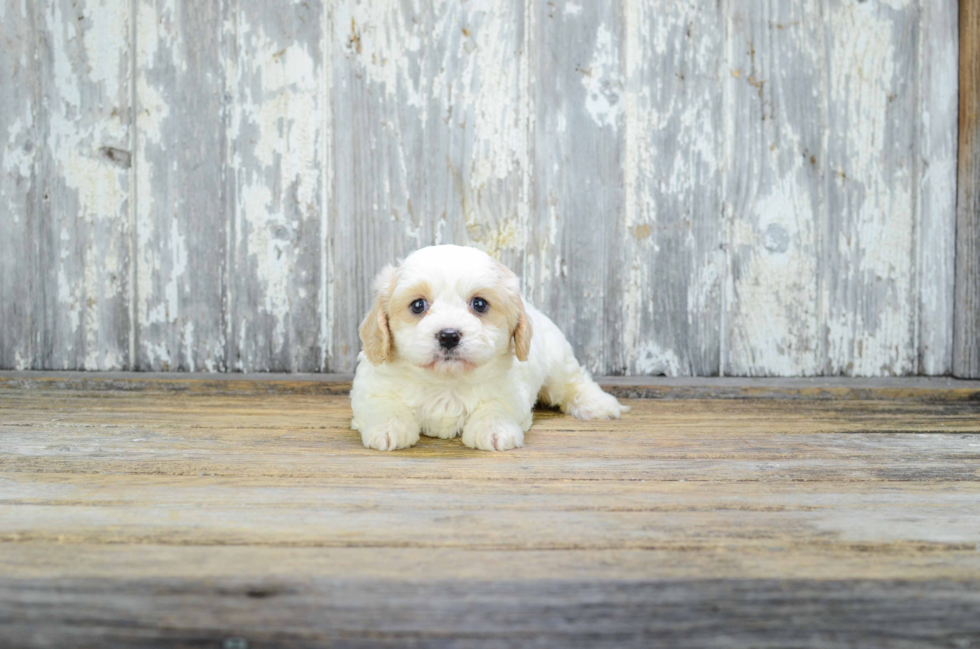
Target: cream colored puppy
column 449, row 350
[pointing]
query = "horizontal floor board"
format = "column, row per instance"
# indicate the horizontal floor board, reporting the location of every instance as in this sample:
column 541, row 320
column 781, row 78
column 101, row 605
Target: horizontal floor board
column 308, row 436
column 589, row 515
column 631, row 387
column 567, row 613
column 46, row 560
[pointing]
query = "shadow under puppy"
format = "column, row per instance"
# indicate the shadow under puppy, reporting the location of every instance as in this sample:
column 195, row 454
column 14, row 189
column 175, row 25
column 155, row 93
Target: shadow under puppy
column 450, row 348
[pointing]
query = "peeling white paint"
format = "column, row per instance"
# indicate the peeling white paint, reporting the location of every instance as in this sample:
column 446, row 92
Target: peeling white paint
column 499, row 139
column 651, row 360
column 878, row 240
column 17, row 161
column 109, row 20
column 282, row 120
column 671, row 174
column 467, row 67
column 603, row 80
column 774, row 299
column 86, row 100
column 325, row 296
column 936, row 167
column 381, row 36
column 152, row 112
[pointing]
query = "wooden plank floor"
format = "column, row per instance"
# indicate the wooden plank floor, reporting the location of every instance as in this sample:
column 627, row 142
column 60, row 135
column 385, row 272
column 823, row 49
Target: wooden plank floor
column 243, row 517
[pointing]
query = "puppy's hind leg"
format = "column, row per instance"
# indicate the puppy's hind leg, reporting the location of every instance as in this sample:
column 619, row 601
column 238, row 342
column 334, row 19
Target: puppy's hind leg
column 573, row 390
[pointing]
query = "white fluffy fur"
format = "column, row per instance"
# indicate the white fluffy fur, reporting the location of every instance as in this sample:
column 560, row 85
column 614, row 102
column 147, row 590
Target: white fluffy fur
column 482, row 391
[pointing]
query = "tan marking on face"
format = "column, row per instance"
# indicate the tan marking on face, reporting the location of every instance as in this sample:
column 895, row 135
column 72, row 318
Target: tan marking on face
column 374, row 332
column 501, row 313
column 518, row 323
column 400, row 306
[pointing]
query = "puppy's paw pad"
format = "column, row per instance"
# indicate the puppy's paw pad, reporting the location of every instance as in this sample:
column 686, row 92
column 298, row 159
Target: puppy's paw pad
column 493, row 435
column 389, row 436
column 597, row 405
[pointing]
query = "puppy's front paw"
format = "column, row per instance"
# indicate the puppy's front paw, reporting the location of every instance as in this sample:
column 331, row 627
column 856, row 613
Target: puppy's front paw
column 596, row 404
column 489, row 434
column 390, row 434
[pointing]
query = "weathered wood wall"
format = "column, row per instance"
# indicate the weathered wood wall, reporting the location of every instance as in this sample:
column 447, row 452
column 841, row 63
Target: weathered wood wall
column 698, row 187
column 966, row 326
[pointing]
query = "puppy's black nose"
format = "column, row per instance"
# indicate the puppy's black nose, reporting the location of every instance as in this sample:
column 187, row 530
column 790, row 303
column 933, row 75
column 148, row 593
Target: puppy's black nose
column 448, row 338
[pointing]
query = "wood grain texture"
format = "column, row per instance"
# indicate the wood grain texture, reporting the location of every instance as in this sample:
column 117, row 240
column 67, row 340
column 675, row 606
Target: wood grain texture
column 688, row 189
column 277, row 136
column 182, row 212
column 935, row 157
column 227, row 433
column 966, row 352
column 923, row 389
column 672, row 243
column 430, row 140
column 775, row 192
column 84, row 180
column 578, row 81
column 156, row 518
column 711, row 613
column 870, row 234
column 18, row 195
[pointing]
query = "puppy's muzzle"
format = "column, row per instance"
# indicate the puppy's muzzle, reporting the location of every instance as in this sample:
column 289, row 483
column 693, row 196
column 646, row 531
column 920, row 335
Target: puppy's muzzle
column 448, row 338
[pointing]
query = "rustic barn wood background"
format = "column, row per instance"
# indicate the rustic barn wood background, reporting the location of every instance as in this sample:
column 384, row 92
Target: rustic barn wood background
column 688, row 187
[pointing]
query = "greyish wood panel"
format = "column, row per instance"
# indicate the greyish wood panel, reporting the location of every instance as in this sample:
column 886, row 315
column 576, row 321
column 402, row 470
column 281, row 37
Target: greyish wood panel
column 775, row 187
column 182, row 210
column 966, row 360
column 430, row 141
column 81, row 294
column 686, row 188
column 869, row 237
column 18, row 114
column 840, row 232
column 276, row 132
column 673, row 237
column 935, row 172
column 576, row 226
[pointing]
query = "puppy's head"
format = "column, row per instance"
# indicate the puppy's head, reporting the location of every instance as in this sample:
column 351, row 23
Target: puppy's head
column 447, row 309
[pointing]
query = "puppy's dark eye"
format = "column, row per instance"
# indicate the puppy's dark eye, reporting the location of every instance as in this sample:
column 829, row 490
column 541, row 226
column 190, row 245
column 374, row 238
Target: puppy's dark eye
column 479, row 305
column 418, row 306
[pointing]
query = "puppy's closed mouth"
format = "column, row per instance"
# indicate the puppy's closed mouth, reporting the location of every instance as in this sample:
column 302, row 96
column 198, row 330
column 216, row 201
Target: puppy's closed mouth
column 450, row 361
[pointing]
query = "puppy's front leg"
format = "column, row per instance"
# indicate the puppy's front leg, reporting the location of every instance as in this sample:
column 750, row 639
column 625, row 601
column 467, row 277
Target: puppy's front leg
column 386, row 424
column 493, row 427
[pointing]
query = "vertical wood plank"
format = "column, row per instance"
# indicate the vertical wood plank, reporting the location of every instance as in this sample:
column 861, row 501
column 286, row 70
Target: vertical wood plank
column 379, row 94
column 430, row 140
column 775, row 197
column 935, row 176
column 869, row 246
column 276, row 132
column 673, row 239
column 330, row 284
column 966, row 346
column 82, row 305
column 182, row 207
column 576, row 227
column 18, row 111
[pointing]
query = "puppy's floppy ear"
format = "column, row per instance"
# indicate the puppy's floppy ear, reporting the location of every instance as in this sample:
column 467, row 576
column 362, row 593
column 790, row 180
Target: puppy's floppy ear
column 375, row 335
column 522, row 331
